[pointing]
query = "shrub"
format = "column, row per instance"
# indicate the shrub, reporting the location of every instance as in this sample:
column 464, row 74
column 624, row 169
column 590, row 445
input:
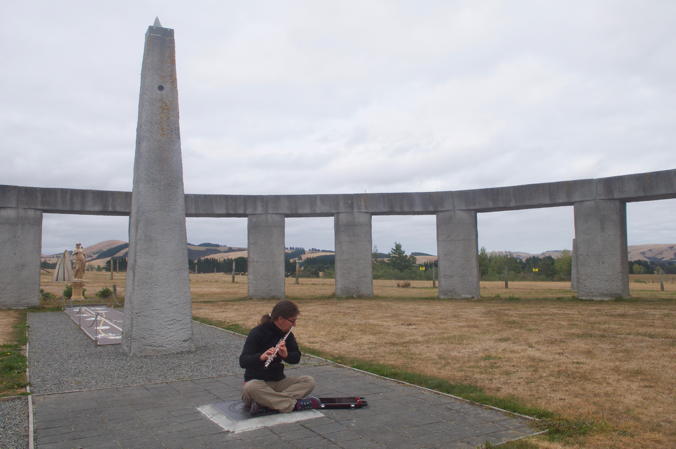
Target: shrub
column 68, row 292
column 46, row 296
column 104, row 293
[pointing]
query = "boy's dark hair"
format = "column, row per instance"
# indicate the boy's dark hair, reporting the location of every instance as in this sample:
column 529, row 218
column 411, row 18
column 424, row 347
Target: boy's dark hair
column 284, row 309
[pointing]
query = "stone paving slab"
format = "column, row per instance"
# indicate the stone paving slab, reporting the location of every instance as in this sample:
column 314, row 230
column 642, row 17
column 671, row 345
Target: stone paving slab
column 233, row 416
column 166, row 415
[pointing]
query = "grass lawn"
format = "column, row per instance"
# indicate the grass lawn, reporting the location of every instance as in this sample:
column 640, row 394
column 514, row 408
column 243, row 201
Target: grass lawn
column 12, row 357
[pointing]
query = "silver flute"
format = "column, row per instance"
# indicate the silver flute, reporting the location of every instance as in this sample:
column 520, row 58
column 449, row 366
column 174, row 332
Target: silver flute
column 274, row 354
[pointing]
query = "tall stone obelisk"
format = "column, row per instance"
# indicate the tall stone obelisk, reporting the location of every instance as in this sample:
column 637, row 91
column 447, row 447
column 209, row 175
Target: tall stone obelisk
column 157, row 310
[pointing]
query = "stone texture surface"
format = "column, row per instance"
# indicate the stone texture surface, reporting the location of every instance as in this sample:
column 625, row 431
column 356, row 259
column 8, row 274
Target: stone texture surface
column 20, row 242
column 573, row 267
column 157, row 300
column 458, row 254
column 265, row 236
column 14, row 422
column 354, row 272
column 601, row 247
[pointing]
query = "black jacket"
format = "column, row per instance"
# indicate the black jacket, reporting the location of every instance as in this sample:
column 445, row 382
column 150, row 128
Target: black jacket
column 260, row 339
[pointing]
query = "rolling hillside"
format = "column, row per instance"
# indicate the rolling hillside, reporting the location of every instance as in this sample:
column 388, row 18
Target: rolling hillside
column 99, row 253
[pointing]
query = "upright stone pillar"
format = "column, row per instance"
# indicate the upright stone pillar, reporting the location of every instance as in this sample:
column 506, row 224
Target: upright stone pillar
column 573, row 268
column 354, row 272
column 458, row 255
column 157, row 299
column 265, row 235
column 601, row 247
column 20, row 243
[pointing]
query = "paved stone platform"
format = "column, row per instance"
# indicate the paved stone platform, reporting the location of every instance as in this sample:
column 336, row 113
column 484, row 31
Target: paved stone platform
column 163, row 414
column 234, row 416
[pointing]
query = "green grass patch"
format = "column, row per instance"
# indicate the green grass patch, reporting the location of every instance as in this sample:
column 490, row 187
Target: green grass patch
column 518, row 444
column 13, row 362
column 224, row 325
column 567, row 430
column 43, row 308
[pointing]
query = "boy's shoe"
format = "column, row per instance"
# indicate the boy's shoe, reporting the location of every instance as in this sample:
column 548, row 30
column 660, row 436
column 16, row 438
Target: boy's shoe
column 307, row 403
column 256, row 409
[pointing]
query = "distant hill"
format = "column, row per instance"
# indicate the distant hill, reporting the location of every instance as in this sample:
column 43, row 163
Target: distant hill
column 93, row 251
column 653, row 253
column 115, row 251
column 523, row 256
column 99, row 253
column 209, row 249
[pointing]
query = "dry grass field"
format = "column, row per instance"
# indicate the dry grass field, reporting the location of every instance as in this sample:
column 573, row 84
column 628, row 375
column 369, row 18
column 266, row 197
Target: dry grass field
column 218, row 286
column 8, row 318
column 607, row 363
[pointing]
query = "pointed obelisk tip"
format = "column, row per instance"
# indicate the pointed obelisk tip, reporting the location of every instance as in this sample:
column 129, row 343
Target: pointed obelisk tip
column 157, row 22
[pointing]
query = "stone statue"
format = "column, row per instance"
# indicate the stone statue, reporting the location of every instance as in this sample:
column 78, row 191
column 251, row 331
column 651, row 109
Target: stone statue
column 80, row 261
column 64, row 269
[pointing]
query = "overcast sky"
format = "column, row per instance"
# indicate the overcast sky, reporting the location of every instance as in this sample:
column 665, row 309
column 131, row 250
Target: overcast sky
column 348, row 97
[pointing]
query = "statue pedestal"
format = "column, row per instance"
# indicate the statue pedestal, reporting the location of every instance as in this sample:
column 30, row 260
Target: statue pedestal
column 77, row 289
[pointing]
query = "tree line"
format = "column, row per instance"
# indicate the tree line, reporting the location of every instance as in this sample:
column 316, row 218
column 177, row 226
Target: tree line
column 400, row 266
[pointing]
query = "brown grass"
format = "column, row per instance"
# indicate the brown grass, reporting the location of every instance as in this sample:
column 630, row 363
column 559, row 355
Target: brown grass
column 218, row 286
column 610, row 362
column 603, row 361
column 8, row 318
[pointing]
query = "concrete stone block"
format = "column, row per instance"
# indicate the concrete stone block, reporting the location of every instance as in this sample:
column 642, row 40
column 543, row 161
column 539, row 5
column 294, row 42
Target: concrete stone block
column 457, row 242
column 354, row 272
column 601, row 247
column 265, row 235
column 158, row 305
column 20, row 243
column 636, row 187
column 573, row 267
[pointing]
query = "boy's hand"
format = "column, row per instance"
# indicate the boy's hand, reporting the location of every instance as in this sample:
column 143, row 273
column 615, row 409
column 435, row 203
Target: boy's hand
column 267, row 354
column 283, row 352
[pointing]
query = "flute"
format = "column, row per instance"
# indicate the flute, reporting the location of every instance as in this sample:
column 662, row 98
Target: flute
column 274, row 354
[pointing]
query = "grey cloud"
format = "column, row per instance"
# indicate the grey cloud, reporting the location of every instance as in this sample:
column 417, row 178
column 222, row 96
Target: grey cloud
column 312, row 97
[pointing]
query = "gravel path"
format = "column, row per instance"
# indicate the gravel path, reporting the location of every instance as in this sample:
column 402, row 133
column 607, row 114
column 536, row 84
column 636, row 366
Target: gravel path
column 14, row 423
column 62, row 358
